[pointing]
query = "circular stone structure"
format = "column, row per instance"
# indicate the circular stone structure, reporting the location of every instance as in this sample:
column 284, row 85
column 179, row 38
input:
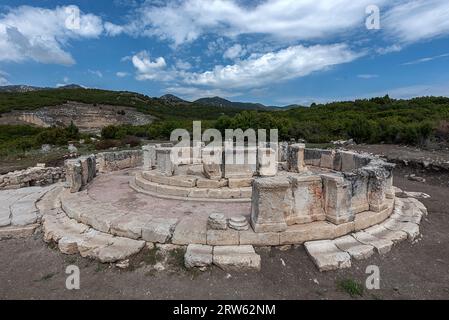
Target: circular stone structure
column 340, row 204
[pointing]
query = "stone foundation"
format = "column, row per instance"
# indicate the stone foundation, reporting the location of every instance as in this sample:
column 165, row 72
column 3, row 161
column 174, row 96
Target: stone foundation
column 36, row 176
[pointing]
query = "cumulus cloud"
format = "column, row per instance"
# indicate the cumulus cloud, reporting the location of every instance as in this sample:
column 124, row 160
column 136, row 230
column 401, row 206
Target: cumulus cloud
column 186, row 21
column 148, row 69
column 259, row 70
column 416, row 20
column 30, row 33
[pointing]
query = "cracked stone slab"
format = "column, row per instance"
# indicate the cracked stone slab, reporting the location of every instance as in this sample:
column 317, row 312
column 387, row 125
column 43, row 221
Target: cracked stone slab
column 119, row 249
column 190, row 231
column 198, row 256
column 382, row 246
column 411, row 229
column 236, row 258
column 14, row 232
column 383, row 233
column 327, row 256
column 159, row 230
column 356, row 249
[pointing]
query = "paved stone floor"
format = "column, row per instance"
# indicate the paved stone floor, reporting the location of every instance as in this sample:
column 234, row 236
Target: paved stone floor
column 33, row 270
column 120, row 195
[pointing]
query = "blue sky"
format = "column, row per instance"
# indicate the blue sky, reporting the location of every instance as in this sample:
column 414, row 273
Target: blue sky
column 276, row 52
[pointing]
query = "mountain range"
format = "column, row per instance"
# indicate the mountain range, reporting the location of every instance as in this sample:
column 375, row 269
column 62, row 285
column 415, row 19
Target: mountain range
column 167, row 99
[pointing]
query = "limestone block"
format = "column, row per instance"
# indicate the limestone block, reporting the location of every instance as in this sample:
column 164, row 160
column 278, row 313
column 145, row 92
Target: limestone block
column 301, row 233
column 383, row 233
column 68, row 245
column 271, row 202
column 236, row 258
column 213, row 184
column 74, row 180
column 359, row 188
column 173, row 191
column 183, row 181
column 312, row 157
column 327, row 256
column 368, row 218
column 159, row 230
column 149, row 157
column 382, row 245
column 84, row 170
column 246, row 193
column 212, row 155
column 240, row 183
column 337, row 198
column 224, row 193
column 307, row 198
column 222, row 237
column 118, row 250
column 283, row 152
column 212, row 171
column 165, row 164
column 356, row 249
column 266, row 162
column 240, row 162
column 23, row 212
column 259, row 239
column 15, row 232
column 217, row 221
column 198, row 193
column 348, row 161
column 327, row 159
column 239, row 223
column 198, row 256
column 296, row 157
column 378, row 172
column 190, row 231
column 411, row 229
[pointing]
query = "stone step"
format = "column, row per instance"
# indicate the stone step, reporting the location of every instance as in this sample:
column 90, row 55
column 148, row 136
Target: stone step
column 356, row 250
column 224, row 194
column 236, row 258
column 327, row 256
column 382, row 246
column 73, row 237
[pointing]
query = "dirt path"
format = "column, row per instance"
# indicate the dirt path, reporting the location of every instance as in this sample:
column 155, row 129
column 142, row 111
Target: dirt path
column 32, row 270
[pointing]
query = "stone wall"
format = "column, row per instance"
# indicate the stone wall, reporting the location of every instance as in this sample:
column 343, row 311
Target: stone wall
column 37, row 176
column 115, row 161
column 332, row 185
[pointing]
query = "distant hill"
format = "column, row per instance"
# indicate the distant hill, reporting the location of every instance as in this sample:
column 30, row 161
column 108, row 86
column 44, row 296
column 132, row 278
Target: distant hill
column 172, row 99
column 223, row 103
column 25, row 88
column 19, row 88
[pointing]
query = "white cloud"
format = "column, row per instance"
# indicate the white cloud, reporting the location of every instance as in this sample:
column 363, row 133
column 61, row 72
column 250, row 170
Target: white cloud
column 367, row 76
column 416, row 20
column 113, row 29
column 97, row 73
column 186, row 21
column 41, row 34
column 183, row 65
column 3, row 78
column 426, row 59
column 234, row 52
column 121, row 74
column 148, row 69
column 259, row 70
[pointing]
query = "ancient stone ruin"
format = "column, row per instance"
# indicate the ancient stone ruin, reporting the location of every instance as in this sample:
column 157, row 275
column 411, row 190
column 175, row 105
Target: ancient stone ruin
column 341, row 205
